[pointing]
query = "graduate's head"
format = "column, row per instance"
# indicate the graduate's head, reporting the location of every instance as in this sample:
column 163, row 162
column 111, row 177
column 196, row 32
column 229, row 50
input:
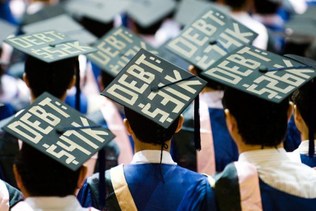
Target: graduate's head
column 55, row 77
column 39, row 175
column 259, row 122
column 148, row 131
column 266, row 7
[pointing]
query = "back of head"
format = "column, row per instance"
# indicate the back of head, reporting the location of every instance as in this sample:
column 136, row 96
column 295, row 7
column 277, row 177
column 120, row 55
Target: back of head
column 236, row 4
column 43, row 176
column 305, row 101
column 266, row 7
column 148, row 131
column 260, row 122
column 54, row 77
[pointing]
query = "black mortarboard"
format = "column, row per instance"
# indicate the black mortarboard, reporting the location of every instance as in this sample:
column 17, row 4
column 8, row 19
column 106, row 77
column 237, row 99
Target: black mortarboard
column 59, row 131
column 149, row 12
column 49, row 46
column 189, row 10
column 46, row 12
column 210, row 37
column 154, row 88
column 7, row 29
column 64, row 24
column 116, row 48
column 261, row 73
column 100, row 10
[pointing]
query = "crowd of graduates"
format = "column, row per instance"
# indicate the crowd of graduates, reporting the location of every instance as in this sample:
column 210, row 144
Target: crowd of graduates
column 157, row 105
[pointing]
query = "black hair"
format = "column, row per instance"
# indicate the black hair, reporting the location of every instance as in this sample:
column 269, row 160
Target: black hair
column 52, row 77
column 305, row 101
column 96, row 27
column 266, row 7
column 260, row 122
column 106, row 78
column 235, row 4
column 148, row 131
column 43, row 176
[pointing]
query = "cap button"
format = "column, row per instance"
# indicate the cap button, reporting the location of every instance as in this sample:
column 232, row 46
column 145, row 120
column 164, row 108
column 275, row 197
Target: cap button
column 212, row 42
column 263, row 69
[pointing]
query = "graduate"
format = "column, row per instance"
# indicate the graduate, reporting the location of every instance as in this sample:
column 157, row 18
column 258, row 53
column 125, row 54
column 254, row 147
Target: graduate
column 154, row 93
column 257, row 110
column 57, row 140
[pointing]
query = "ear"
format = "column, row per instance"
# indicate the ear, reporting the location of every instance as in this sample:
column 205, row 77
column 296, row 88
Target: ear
column 17, row 177
column 128, row 127
column 192, row 70
column 26, row 80
column 230, row 122
column 180, row 123
column 290, row 110
column 82, row 176
column 72, row 82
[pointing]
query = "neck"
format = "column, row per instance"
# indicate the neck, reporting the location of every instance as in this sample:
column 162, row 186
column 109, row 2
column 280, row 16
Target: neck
column 246, row 148
column 140, row 146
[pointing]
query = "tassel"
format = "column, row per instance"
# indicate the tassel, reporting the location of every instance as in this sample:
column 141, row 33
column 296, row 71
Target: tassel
column 197, row 136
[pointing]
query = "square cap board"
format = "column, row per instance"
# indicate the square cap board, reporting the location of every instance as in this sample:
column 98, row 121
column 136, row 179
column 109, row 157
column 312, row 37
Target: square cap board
column 99, row 10
column 116, row 49
column 210, row 37
column 49, row 46
column 59, row 131
column 260, row 73
column 64, row 24
column 6, row 29
column 154, row 88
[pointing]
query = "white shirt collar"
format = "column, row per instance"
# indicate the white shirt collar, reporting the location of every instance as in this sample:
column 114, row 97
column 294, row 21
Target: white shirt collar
column 303, row 148
column 213, row 99
column 152, row 156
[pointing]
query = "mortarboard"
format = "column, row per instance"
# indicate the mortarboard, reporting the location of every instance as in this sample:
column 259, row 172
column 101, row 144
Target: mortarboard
column 49, row 46
column 64, row 24
column 261, row 73
column 43, row 14
column 99, row 10
column 7, row 29
column 210, row 37
column 116, row 48
column 149, row 12
column 59, row 131
column 189, row 10
column 154, row 88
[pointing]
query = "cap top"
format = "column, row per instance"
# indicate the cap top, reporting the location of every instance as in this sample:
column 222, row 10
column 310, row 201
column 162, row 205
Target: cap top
column 154, row 88
column 7, row 29
column 260, row 73
column 64, row 24
column 116, row 48
column 209, row 38
column 49, row 46
column 148, row 12
column 100, row 10
column 59, row 131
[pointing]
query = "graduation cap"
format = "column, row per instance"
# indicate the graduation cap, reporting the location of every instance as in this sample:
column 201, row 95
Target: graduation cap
column 261, row 73
column 7, row 29
column 306, row 94
column 149, row 12
column 46, row 12
column 64, row 24
column 59, row 131
column 195, row 8
column 210, row 37
column 154, row 88
column 51, row 46
column 116, row 49
column 99, row 10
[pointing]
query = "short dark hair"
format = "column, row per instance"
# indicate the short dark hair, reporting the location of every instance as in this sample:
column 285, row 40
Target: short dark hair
column 43, row 176
column 266, row 7
column 52, row 77
column 260, row 122
column 235, row 4
column 305, row 101
column 148, row 131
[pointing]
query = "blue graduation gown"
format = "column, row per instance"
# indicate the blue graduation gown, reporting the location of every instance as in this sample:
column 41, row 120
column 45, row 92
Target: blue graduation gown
column 152, row 187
